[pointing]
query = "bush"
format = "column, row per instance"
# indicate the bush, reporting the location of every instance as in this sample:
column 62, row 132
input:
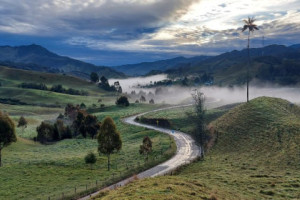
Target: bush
column 47, row 133
column 153, row 121
column 122, row 101
column 151, row 101
column 90, row 158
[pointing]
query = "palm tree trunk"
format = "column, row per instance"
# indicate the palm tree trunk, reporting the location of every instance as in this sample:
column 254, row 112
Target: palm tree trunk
column 0, row 158
column 248, row 66
column 108, row 162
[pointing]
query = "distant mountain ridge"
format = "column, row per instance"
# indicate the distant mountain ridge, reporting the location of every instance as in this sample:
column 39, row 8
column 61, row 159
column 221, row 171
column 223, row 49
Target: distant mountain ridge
column 274, row 63
column 159, row 66
column 37, row 58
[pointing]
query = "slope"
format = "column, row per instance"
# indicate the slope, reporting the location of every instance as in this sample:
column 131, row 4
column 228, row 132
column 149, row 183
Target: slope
column 35, row 57
column 255, row 156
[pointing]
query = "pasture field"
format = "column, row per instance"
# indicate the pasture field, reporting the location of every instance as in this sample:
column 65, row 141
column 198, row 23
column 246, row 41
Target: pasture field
column 35, row 171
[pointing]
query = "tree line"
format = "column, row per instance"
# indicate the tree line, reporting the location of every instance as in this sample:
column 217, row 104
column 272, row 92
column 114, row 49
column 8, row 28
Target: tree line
column 55, row 88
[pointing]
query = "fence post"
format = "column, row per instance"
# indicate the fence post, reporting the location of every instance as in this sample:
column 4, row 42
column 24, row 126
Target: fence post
column 96, row 183
column 86, row 187
column 62, row 196
column 75, row 190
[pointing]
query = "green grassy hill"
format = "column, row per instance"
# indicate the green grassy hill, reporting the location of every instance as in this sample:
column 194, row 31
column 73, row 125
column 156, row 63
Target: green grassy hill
column 34, row 171
column 256, row 155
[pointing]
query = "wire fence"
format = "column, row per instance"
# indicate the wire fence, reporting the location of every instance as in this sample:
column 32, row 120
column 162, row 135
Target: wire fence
column 119, row 171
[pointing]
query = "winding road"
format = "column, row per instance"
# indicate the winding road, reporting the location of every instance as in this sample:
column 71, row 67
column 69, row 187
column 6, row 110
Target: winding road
column 187, row 151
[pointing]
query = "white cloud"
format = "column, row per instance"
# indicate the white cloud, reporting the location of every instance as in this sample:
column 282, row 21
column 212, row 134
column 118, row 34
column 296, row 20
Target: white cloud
column 187, row 27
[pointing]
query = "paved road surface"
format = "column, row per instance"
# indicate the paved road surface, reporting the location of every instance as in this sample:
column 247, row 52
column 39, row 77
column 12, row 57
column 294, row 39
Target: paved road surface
column 187, row 151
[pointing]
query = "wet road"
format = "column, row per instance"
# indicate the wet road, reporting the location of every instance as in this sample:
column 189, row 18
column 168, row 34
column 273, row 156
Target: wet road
column 187, row 151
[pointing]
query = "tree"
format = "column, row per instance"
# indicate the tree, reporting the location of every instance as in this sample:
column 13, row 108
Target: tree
column 7, row 132
column 142, row 99
column 91, row 125
column 82, row 106
column 151, row 101
column 197, row 118
column 47, row 133
column 123, row 101
column 251, row 27
column 90, row 158
column 109, row 139
column 22, row 123
column 94, row 77
column 146, row 147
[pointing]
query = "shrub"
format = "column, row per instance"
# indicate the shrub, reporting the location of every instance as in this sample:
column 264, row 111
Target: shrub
column 151, row 101
column 122, row 101
column 90, row 158
column 47, row 133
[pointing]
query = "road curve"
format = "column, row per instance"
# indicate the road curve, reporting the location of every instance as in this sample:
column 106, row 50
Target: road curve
column 187, row 151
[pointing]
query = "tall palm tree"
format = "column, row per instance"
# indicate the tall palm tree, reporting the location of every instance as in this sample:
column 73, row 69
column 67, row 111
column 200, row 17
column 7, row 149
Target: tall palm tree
column 250, row 26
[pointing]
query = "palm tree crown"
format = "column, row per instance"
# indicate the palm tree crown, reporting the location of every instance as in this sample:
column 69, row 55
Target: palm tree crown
column 249, row 24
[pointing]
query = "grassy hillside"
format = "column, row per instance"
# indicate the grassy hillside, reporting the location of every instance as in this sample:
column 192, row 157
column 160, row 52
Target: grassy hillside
column 34, row 171
column 255, row 156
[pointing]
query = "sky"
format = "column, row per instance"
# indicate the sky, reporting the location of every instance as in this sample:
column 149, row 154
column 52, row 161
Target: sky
column 116, row 32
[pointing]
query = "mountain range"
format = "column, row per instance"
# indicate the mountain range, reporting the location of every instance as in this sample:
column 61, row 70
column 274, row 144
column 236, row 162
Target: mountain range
column 37, row 58
column 145, row 68
column 275, row 63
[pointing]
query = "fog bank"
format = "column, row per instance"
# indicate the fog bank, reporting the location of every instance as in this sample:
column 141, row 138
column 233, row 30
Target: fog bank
column 179, row 95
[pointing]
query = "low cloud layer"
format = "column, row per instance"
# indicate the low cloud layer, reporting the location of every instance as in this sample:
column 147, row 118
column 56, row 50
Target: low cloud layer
column 183, row 95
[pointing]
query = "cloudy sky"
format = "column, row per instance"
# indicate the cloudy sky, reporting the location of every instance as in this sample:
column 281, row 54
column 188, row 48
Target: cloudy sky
column 114, row 32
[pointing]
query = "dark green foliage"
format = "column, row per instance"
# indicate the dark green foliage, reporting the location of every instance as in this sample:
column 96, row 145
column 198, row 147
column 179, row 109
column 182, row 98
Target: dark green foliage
column 151, row 101
column 22, row 123
column 7, row 132
column 146, row 147
column 55, row 88
column 47, row 133
column 60, row 89
column 197, row 118
column 60, row 116
column 12, row 101
column 71, row 111
column 122, row 101
column 86, row 124
column 162, row 122
column 109, row 139
column 91, row 125
column 78, row 124
column 94, row 77
column 105, row 85
column 142, row 99
column 82, row 106
column 90, row 158
column 185, row 81
column 38, row 86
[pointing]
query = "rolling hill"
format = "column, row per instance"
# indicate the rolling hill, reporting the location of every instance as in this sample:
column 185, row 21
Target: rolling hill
column 255, row 156
column 37, row 58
